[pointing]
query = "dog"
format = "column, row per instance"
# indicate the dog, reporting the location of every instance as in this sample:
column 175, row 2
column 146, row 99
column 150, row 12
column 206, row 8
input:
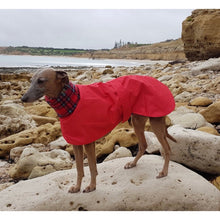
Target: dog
column 88, row 112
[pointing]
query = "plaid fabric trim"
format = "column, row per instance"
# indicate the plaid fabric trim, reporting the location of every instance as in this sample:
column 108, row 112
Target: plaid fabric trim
column 67, row 101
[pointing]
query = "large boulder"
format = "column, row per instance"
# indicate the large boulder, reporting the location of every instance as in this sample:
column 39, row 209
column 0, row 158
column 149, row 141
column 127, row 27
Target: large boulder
column 117, row 189
column 201, row 34
column 33, row 163
column 195, row 149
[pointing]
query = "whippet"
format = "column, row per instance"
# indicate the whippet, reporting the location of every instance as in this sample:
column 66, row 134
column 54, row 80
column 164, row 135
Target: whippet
column 88, row 112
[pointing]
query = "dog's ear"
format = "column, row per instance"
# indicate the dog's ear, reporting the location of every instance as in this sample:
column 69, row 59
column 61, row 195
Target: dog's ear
column 63, row 76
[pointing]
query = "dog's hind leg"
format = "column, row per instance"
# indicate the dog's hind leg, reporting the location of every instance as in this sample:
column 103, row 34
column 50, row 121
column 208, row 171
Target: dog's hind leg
column 159, row 127
column 138, row 122
column 90, row 151
column 78, row 153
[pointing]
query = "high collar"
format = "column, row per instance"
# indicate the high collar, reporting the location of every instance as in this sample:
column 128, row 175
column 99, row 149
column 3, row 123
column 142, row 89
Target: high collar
column 66, row 102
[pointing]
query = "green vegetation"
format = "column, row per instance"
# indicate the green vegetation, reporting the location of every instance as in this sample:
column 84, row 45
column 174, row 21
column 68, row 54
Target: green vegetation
column 189, row 19
column 128, row 44
column 44, row 51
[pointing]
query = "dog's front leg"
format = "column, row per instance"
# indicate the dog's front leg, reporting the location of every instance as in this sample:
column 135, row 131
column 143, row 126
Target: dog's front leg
column 78, row 153
column 90, row 151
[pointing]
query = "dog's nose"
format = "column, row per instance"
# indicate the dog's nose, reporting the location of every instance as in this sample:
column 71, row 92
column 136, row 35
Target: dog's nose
column 24, row 98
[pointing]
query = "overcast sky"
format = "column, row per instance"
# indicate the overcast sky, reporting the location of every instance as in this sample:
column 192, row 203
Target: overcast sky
column 89, row 28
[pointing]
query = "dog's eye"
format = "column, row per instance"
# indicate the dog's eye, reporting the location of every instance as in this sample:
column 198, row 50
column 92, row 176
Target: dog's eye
column 40, row 81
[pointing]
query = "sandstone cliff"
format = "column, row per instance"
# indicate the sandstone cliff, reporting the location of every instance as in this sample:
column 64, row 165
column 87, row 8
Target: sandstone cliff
column 201, row 34
column 169, row 50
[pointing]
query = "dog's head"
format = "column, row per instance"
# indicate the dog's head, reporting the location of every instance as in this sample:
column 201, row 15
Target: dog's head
column 47, row 82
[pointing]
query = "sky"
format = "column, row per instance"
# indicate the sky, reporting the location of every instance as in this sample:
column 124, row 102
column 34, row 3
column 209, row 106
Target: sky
column 88, row 28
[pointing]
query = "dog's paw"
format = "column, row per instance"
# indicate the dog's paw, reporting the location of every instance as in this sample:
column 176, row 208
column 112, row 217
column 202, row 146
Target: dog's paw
column 130, row 165
column 161, row 175
column 74, row 189
column 89, row 189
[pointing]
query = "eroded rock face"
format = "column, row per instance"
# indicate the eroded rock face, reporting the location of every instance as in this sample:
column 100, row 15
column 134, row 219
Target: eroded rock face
column 195, row 149
column 117, row 189
column 43, row 134
column 201, row 34
column 16, row 152
column 14, row 119
column 123, row 136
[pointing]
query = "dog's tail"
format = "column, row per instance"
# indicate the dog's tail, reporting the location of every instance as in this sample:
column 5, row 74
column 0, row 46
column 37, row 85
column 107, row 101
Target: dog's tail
column 170, row 137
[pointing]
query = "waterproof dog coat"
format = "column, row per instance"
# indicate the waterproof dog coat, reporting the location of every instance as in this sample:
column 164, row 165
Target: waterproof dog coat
column 101, row 106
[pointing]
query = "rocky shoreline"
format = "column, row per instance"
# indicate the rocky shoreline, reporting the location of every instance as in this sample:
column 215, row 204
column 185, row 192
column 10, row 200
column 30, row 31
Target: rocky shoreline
column 31, row 143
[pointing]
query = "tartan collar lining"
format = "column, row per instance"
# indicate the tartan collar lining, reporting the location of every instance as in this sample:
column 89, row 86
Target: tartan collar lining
column 66, row 102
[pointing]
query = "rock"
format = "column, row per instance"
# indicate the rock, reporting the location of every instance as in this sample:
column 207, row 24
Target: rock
column 187, row 118
column 153, row 145
column 165, row 78
column 106, row 78
column 123, row 136
column 60, row 143
column 148, row 125
column 211, row 64
column 5, row 185
column 108, row 66
column 201, row 34
column 108, row 71
column 212, row 113
column 117, row 189
column 43, row 134
column 33, row 164
column 14, row 119
column 4, row 176
column 195, row 149
column 200, row 101
column 86, row 76
column 42, row 109
column 15, row 75
column 5, row 85
column 16, row 152
column 218, row 128
column 216, row 182
column 40, row 120
column 183, row 97
column 118, row 153
column 209, row 130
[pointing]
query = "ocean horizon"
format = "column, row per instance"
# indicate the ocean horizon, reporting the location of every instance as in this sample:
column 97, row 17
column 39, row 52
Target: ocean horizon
column 64, row 61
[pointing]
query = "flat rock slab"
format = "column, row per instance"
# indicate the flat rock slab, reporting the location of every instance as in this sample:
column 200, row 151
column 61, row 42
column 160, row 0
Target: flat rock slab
column 117, row 189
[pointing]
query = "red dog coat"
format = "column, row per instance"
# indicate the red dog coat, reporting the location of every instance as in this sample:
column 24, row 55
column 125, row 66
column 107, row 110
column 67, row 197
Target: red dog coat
column 102, row 106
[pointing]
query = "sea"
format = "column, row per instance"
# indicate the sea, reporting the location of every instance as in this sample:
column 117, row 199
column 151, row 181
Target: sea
column 61, row 61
